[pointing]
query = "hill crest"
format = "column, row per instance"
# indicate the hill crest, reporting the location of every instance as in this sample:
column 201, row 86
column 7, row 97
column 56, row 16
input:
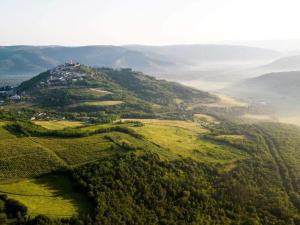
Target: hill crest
column 74, row 86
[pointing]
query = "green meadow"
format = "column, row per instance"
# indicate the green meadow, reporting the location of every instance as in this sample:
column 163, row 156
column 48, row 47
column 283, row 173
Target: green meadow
column 51, row 195
column 185, row 139
column 58, row 124
column 101, row 103
column 22, row 156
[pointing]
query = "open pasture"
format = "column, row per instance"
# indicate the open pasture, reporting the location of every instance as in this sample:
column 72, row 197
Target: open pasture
column 58, row 124
column 185, row 142
column 101, row 103
column 188, row 125
column 75, row 151
column 51, row 195
column 23, row 157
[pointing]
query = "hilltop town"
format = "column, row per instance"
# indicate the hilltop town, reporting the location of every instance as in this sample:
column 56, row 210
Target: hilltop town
column 59, row 76
column 64, row 74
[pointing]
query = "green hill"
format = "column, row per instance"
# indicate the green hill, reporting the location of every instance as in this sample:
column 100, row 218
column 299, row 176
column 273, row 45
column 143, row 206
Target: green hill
column 78, row 88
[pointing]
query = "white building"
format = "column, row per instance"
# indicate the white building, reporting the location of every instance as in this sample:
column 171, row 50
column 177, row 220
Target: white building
column 15, row 97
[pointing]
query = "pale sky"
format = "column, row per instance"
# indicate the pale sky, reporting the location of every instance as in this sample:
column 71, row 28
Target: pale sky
column 156, row 22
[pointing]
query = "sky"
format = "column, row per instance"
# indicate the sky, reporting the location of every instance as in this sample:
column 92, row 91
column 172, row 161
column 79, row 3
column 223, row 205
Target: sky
column 152, row 22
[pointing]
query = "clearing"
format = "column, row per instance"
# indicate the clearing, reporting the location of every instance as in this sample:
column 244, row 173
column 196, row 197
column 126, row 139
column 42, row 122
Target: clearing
column 184, row 140
column 58, row 124
column 188, row 125
column 51, row 195
column 101, row 103
column 74, row 151
column 22, row 157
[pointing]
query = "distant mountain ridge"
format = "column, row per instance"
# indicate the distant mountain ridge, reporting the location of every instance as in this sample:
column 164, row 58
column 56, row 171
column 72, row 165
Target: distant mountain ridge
column 32, row 59
column 194, row 54
column 149, row 59
column 279, row 90
column 284, row 64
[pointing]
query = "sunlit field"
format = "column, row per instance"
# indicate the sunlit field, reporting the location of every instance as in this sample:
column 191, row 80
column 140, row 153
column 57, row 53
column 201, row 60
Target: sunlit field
column 52, row 196
column 58, row 124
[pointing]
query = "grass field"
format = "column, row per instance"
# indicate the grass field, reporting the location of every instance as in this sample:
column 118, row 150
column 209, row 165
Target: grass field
column 75, row 151
column 50, row 195
column 99, row 91
column 230, row 137
column 58, row 124
column 101, row 103
column 186, row 141
column 188, row 125
column 23, row 157
column 98, row 126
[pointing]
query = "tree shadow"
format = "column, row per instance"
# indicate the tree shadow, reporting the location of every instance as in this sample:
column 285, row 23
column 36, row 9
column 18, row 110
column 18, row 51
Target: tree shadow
column 62, row 186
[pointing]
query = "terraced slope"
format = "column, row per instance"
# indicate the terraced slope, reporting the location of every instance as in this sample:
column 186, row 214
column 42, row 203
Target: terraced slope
column 22, row 156
column 48, row 150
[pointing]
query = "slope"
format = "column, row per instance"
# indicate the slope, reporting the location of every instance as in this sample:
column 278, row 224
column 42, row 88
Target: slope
column 75, row 87
column 256, row 190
